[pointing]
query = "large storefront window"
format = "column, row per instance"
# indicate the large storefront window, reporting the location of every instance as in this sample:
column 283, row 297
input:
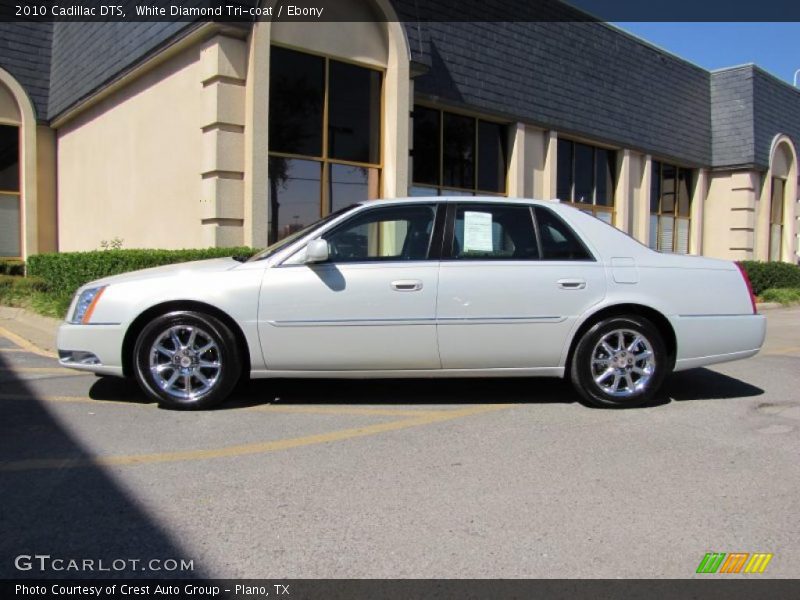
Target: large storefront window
column 587, row 178
column 670, row 208
column 456, row 155
column 776, row 217
column 324, row 137
column 10, row 223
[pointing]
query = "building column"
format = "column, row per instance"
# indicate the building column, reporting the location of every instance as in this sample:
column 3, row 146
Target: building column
column 550, row 170
column 623, row 193
column 640, row 217
column 744, row 198
column 697, row 212
column 516, row 161
column 224, row 71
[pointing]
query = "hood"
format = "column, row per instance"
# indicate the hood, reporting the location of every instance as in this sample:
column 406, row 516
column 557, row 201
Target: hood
column 212, row 265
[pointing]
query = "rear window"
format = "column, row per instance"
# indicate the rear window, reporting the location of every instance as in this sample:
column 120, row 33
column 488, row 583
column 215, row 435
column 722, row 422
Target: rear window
column 558, row 240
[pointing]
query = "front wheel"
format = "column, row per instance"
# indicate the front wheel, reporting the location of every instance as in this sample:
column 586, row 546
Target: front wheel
column 619, row 362
column 187, row 360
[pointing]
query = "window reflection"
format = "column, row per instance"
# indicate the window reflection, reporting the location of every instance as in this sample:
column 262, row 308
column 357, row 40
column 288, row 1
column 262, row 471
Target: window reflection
column 491, row 156
column 296, row 95
column 670, row 208
column 354, row 113
column 10, row 217
column 294, row 195
column 458, row 161
column 426, row 145
column 350, row 184
column 402, row 233
column 587, row 176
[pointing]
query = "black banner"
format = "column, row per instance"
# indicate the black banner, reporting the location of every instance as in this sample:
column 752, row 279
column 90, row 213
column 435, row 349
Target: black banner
column 247, row 11
column 729, row 588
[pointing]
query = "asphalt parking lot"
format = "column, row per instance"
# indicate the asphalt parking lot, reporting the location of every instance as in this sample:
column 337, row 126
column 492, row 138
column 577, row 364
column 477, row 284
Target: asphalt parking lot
column 406, row 479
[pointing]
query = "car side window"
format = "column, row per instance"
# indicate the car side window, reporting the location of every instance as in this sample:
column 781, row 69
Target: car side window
column 558, row 240
column 384, row 234
column 494, row 232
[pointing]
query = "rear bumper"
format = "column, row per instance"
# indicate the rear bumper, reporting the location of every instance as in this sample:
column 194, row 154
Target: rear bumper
column 94, row 348
column 709, row 339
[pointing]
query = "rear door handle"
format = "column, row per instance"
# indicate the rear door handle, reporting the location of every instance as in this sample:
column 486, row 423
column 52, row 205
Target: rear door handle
column 571, row 284
column 407, row 285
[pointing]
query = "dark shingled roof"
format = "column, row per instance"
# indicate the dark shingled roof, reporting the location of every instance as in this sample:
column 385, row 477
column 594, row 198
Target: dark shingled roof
column 25, row 53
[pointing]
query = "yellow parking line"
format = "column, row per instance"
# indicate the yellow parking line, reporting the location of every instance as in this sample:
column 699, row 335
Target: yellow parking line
column 345, row 410
column 24, row 344
column 13, row 350
column 246, row 449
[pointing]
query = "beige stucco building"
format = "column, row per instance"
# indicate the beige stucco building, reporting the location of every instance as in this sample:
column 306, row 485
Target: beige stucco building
column 207, row 134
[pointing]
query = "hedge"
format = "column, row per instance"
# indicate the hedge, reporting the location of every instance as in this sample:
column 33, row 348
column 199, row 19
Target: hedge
column 11, row 267
column 766, row 275
column 65, row 272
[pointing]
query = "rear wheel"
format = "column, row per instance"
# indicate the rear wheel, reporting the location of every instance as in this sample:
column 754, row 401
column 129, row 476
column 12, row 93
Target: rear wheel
column 619, row 362
column 187, row 360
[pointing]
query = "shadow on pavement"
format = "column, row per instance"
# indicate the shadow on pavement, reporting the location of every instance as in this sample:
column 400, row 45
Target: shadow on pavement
column 705, row 384
column 696, row 384
column 68, row 513
column 367, row 391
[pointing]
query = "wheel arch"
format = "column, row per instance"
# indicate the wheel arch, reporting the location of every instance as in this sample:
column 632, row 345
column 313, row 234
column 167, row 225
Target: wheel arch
column 657, row 318
column 139, row 323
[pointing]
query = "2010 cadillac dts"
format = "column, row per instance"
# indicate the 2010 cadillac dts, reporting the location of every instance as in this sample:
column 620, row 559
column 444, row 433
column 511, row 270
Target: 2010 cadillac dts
column 448, row 287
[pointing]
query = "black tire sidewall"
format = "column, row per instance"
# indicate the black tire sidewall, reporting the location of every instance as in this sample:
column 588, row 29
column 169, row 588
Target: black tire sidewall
column 581, row 374
column 229, row 356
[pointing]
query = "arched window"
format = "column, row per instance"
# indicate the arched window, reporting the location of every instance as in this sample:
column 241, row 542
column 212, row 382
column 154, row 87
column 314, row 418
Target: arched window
column 324, row 137
column 10, row 208
column 776, row 201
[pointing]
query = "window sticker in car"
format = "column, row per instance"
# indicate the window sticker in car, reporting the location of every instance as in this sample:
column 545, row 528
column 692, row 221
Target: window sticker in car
column 477, row 231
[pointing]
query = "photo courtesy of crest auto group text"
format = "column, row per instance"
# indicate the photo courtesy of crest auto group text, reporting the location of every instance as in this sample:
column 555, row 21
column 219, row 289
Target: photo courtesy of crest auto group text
column 399, row 299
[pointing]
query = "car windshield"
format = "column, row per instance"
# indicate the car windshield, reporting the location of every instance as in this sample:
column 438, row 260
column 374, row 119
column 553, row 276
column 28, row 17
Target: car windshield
column 283, row 243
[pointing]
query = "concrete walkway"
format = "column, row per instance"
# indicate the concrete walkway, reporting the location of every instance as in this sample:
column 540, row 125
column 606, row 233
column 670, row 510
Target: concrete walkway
column 31, row 328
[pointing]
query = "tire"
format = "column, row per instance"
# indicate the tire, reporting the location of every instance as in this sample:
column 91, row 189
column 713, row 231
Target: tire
column 619, row 362
column 187, row 360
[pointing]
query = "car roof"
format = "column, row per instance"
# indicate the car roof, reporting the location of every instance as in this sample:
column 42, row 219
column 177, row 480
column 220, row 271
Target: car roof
column 459, row 199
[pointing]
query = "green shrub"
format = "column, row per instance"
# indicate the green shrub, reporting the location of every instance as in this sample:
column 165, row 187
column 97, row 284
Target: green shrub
column 65, row 272
column 765, row 275
column 782, row 295
column 11, row 267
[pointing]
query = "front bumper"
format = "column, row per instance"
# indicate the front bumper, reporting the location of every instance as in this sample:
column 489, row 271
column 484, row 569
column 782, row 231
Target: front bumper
column 94, row 348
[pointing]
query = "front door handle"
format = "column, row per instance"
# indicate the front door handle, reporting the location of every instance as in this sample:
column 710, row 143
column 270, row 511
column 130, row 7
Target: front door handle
column 407, row 285
column 571, row 284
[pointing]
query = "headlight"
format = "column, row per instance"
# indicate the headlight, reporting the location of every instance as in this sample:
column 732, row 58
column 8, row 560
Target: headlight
column 86, row 303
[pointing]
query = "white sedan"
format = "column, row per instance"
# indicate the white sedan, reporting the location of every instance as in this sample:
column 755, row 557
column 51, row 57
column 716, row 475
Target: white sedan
column 436, row 287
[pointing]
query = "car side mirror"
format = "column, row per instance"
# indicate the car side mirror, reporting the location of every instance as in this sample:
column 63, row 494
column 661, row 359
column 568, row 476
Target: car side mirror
column 317, row 251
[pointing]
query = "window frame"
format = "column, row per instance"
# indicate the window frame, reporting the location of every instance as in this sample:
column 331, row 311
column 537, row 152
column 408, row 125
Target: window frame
column 17, row 192
column 449, row 236
column 773, row 223
column 674, row 213
column 327, row 162
column 594, row 207
column 450, row 244
column 441, row 189
column 434, row 245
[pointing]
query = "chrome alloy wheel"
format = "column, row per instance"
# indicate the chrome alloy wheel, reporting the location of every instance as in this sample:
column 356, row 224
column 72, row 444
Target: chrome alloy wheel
column 185, row 362
column 623, row 362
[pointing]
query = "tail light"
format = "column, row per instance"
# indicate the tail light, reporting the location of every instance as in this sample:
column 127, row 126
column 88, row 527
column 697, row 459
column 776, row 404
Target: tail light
column 749, row 286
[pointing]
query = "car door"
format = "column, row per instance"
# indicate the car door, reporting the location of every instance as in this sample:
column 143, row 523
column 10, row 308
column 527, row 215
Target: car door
column 512, row 283
column 370, row 306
